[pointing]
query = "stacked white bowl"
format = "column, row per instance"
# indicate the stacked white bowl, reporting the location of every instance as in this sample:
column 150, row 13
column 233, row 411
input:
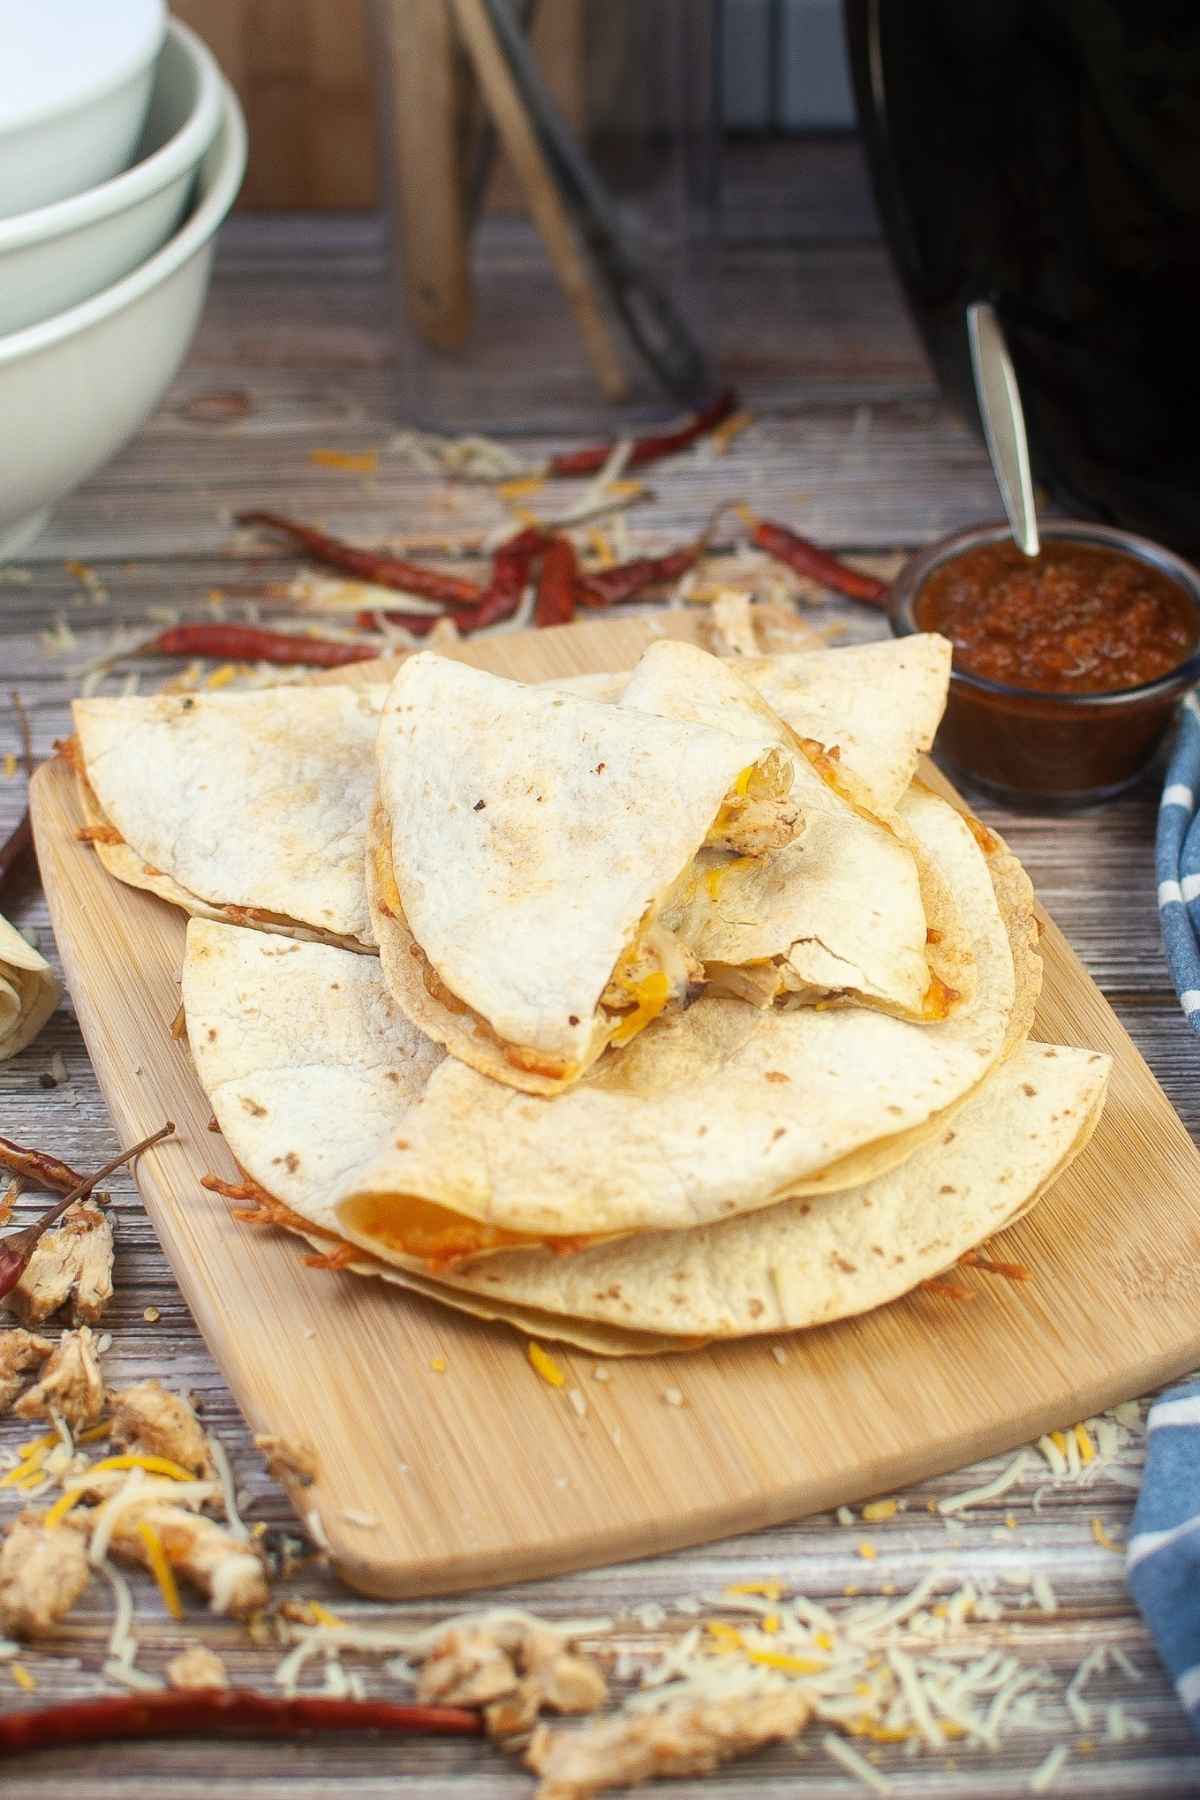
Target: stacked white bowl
column 122, row 148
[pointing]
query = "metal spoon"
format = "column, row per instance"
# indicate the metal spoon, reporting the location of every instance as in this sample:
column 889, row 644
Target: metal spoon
column 1003, row 422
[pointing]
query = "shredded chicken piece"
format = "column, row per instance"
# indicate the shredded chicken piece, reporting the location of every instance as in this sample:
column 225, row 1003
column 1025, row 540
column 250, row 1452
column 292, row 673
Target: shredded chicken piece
column 287, row 1456
column 687, row 1739
column 737, row 625
column 42, row 1574
column 512, row 1671
column 655, row 949
column 150, row 1421
column 197, row 1667
column 19, row 1352
column 228, row 1570
column 71, row 1383
column 72, row 1262
column 466, row 1668
column 763, row 817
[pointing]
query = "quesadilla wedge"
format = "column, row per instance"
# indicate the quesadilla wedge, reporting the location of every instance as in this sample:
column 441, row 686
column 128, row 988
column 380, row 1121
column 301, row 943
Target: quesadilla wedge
column 248, row 806
column 29, row 991
column 283, row 1033
column 853, row 911
column 880, row 704
column 522, row 847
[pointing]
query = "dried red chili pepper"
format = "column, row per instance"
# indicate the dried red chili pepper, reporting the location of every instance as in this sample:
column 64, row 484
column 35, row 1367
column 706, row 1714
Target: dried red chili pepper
column 371, row 565
column 37, row 1165
column 558, row 584
column 629, row 580
column 247, row 643
column 650, row 448
column 16, row 1250
column 512, row 564
column 806, row 558
column 221, row 1712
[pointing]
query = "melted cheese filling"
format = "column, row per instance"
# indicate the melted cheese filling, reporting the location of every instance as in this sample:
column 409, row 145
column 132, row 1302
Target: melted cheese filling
column 438, row 1237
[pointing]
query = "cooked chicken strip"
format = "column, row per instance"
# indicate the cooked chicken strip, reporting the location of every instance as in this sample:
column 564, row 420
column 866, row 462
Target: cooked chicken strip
column 42, row 1574
column 72, row 1262
column 150, row 1421
column 686, row 1739
column 19, row 1352
column 71, row 1384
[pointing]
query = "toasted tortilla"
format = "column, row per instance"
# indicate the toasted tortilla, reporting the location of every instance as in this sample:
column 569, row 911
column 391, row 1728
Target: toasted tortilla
column 853, row 911
column 807, row 1262
column 249, row 806
column 285, row 1033
column 29, row 991
column 878, row 704
column 523, row 844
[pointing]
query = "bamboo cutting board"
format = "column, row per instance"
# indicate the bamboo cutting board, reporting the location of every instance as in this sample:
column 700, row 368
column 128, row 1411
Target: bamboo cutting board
column 431, row 1482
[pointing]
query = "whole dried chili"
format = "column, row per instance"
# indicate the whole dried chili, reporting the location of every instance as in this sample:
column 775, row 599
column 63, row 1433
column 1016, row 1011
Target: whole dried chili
column 629, row 580
column 247, row 643
column 805, row 558
column 558, row 584
column 512, row 565
column 221, row 1712
column 39, row 1166
column 651, row 448
column 16, row 1249
column 370, row 565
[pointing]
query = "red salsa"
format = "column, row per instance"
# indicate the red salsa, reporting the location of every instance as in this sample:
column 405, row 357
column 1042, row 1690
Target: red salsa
column 1077, row 619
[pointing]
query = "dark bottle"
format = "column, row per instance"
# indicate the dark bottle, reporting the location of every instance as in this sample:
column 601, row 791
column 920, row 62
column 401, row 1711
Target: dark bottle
column 1045, row 155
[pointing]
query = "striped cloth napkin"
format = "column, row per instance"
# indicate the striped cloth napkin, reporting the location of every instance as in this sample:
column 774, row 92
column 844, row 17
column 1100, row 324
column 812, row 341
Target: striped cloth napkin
column 1163, row 1557
column 1177, row 857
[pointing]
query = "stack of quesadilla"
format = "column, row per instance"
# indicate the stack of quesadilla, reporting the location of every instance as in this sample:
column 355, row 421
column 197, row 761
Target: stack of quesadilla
column 686, row 1011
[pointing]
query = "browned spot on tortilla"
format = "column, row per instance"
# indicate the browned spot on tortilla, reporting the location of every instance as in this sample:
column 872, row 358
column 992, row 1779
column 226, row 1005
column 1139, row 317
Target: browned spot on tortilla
column 844, row 1264
column 290, row 1161
column 253, row 1108
column 212, row 1034
column 1027, row 1087
column 987, row 840
column 402, row 1143
column 777, row 1075
column 897, row 1110
column 947, row 1189
column 949, row 1137
column 755, row 1309
column 933, row 936
column 779, row 1131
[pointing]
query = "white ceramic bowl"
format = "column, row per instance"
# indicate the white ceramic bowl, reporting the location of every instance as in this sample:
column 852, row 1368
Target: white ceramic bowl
column 75, row 389
column 75, row 80
column 53, row 258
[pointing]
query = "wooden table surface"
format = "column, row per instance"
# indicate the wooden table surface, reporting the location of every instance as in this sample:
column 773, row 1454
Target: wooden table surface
column 852, row 444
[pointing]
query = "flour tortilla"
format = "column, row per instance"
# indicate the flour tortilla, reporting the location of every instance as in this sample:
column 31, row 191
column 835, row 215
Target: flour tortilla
column 879, row 704
column 29, row 991
column 236, row 801
column 285, row 1033
column 807, row 1262
column 306, row 1059
column 854, row 909
column 523, row 839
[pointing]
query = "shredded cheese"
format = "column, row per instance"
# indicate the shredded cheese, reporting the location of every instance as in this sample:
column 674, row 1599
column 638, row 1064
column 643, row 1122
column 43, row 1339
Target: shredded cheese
column 353, row 462
column 160, row 1568
column 1047, row 1771
column 988, row 1490
column 22, row 1677
column 544, row 1365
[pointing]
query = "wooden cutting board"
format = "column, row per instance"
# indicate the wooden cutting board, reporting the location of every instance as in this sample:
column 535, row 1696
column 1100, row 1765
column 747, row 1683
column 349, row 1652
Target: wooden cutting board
column 431, row 1482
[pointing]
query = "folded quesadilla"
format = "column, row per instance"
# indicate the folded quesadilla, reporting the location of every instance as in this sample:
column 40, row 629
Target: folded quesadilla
column 719, row 1110
column 853, row 911
column 29, row 991
column 248, row 806
column 880, row 704
column 521, row 852
column 285, row 1034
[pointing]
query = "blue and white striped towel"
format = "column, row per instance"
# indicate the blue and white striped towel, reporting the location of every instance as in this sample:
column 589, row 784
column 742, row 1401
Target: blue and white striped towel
column 1177, row 857
column 1163, row 1558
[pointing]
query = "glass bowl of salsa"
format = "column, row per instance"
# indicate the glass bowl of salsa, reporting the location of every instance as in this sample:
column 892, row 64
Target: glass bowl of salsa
column 1067, row 666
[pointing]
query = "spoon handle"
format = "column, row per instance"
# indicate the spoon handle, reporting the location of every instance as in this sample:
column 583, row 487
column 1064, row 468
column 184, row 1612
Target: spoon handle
column 1003, row 422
